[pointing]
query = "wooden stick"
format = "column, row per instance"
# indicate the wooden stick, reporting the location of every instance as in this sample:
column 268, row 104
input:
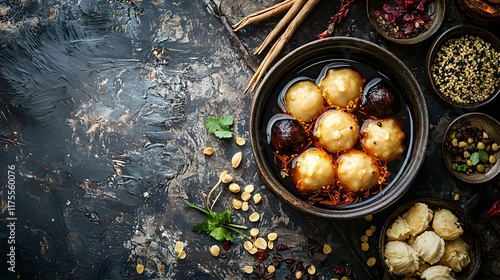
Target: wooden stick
column 280, row 43
column 281, row 24
column 263, row 14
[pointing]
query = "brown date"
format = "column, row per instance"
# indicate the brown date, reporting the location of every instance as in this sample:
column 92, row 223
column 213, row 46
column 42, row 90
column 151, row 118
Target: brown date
column 288, row 136
column 379, row 99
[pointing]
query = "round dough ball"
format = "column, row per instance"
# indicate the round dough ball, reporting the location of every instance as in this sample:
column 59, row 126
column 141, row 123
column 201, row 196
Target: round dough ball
column 437, row 272
column 303, row 100
column 336, row 131
column 456, row 254
column 418, row 217
column 400, row 258
column 357, row 171
column 399, row 230
column 342, row 87
column 312, row 170
column 446, row 224
column 429, row 246
column 383, row 139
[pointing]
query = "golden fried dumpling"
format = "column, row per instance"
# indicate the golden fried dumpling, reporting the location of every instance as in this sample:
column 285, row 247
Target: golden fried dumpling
column 446, row 224
column 342, row 87
column 382, row 138
column 357, row 171
column 429, row 246
column 303, row 100
column 400, row 258
column 336, row 130
column 418, row 217
column 456, row 254
column 399, row 230
column 313, row 169
column 437, row 272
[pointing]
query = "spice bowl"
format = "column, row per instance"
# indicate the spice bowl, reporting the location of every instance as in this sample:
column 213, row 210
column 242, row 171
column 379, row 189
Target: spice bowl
column 463, row 67
column 419, row 28
column 454, row 257
column 461, row 125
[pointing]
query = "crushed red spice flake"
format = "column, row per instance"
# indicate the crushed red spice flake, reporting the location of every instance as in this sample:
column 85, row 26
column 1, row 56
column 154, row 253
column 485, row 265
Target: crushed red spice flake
column 495, row 209
column 403, row 19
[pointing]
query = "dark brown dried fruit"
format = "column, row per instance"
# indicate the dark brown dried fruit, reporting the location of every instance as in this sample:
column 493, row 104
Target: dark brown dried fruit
column 288, row 136
column 379, row 99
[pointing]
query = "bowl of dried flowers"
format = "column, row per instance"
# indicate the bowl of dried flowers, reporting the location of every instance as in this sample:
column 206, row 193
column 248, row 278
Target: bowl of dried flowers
column 463, row 66
column 406, row 21
column 471, row 148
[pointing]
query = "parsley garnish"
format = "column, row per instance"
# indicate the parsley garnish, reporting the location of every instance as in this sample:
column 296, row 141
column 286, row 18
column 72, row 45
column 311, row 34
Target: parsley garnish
column 218, row 226
column 220, row 127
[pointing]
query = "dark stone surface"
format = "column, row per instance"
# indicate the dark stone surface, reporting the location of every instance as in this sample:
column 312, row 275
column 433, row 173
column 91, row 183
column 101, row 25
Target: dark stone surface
column 102, row 109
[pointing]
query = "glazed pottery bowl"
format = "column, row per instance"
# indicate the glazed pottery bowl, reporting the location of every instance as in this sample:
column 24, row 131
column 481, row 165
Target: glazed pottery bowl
column 470, row 235
column 308, row 61
column 436, row 11
column 492, row 129
column 435, row 67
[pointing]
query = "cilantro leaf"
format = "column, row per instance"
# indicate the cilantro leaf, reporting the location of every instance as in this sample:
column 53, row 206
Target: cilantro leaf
column 220, row 127
column 221, row 234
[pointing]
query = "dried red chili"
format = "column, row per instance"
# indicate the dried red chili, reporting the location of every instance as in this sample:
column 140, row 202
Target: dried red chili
column 495, row 209
column 337, row 18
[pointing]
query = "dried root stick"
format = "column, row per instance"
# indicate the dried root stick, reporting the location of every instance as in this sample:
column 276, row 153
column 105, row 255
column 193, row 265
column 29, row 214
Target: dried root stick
column 263, row 14
column 280, row 43
column 281, row 24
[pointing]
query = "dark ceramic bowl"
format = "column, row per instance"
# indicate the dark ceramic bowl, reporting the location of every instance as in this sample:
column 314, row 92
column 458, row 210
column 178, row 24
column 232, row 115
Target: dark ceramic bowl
column 456, row 32
column 470, row 235
column 307, row 61
column 492, row 127
column 482, row 12
column 436, row 12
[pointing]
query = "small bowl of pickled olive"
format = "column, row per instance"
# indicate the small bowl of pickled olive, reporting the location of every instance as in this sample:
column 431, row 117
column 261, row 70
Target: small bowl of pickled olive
column 471, row 148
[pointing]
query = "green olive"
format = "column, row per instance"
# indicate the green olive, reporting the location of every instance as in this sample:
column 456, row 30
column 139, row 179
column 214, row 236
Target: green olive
column 462, row 144
column 494, row 147
column 469, row 162
column 481, row 146
column 454, row 142
column 492, row 159
column 480, row 168
column 466, row 154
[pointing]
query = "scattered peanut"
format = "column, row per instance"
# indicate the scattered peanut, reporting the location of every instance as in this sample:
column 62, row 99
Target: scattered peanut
column 182, row 255
column 311, row 270
column 245, row 196
column 298, row 274
column 208, row 151
column 373, row 228
column 365, row 246
column 254, row 232
column 270, row 245
column 245, row 206
column 249, row 188
column 139, row 268
column 260, row 243
column 371, row 261
column 248, row 245
column 272, row 236
column 271, row 268
column 257, row 198
column 236, row 160
column 369, row 232
column 237, row 204
column 234, row 188
column 327, row 249
column 215, row 250
column 364, row 238
column 248, row 269
column 240, row 141
column 254, row 217
column 179, row 247
column 369, row 217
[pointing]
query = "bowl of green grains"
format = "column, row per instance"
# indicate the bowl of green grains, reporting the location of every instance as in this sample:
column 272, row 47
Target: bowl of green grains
column 471, row 148
column 405, row 22
column 463, row 66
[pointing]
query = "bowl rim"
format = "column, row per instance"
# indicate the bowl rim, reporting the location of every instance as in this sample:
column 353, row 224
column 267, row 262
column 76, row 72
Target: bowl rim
column 293, row 59
column 440, row 40
column 434, row 201
column 492, row 173
column 440, row 6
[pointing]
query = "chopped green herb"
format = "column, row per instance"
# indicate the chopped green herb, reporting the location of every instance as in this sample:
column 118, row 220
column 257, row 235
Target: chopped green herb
column 220, row 127
column 217, row 225
column 480, row 155
column 460, row 167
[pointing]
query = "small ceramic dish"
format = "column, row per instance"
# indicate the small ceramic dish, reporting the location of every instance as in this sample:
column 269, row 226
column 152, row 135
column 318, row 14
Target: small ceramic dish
column 470, row 236
column 491, row 127
column 439, row 67
column 435, row 10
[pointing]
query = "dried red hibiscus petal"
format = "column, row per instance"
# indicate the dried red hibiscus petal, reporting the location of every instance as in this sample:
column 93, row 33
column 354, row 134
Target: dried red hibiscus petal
column 495, row 209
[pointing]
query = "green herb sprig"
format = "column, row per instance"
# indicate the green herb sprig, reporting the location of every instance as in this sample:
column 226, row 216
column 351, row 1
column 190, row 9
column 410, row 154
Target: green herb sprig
column 218, row 226
column 220, row 127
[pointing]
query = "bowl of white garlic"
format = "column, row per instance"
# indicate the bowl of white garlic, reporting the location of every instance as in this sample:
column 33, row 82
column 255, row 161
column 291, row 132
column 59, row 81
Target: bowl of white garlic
column 430, row 238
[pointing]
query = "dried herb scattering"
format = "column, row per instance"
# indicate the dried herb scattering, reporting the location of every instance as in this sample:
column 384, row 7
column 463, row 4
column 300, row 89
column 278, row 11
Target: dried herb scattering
column 403, row 19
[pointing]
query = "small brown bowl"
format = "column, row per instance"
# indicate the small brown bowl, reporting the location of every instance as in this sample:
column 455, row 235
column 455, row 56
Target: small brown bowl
column 492, row 127
column 456, row 32
column 470, row 235
column 436, row 12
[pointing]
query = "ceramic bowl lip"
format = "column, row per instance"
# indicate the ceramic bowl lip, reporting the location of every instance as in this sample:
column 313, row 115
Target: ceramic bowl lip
column 295, row 58
column 433, row 203
column 481, row 178
column 440, row 40
column 439, row 6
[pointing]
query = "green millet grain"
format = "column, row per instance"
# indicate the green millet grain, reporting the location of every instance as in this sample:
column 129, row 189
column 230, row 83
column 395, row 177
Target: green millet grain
column 466, row 70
